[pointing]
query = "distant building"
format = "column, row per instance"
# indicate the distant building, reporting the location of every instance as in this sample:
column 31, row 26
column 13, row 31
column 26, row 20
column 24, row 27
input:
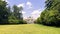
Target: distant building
column 30, row 20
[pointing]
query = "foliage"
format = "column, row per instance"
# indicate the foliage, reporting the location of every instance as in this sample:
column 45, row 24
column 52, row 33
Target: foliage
column 13, row 20
column 3, row 12
column 51, row 15
column 18, row 12
column 10, row 16
column 22, row 22
column 15, row 17
column 37, row 21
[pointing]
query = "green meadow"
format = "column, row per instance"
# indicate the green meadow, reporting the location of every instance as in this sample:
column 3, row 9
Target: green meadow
column 28, row 29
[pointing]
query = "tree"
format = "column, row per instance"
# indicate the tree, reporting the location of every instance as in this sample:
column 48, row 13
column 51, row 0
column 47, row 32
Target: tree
column 51, row 15
column 20, row 13
column 3, row 12
column 15, row 17
column 13, row 20
column 52, row 4
column 17, row 12
column 7, row 16
column 48, row 4
column 9, row 11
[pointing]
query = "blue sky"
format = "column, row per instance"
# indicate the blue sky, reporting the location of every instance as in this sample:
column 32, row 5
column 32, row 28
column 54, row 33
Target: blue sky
column 30, row 7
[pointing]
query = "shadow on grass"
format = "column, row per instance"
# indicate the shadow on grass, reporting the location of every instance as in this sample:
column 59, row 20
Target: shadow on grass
column 56, row 26
column 10, row 24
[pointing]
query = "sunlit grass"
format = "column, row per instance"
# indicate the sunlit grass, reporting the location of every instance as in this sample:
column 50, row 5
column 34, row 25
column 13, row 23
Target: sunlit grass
column 28, row 29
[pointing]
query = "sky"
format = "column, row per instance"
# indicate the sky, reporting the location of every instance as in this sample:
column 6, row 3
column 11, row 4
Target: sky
column 31, row 8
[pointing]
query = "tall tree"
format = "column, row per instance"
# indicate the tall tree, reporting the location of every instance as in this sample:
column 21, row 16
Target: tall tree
column 3, row 12
column 9, row 11
column 17, row 12
column 48, row 4
column 52, row 4
column 51, row 15
column 20, row 13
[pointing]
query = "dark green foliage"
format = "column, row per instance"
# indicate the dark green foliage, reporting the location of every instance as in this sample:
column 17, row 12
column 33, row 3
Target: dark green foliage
column 18, row 12
column 13, row 20
column 7, row 16
column 15, row 17
column 22, row 22
column 3, row 12
column 37, row 21
column 9, row 11
column 51, row 15
column 50, row 18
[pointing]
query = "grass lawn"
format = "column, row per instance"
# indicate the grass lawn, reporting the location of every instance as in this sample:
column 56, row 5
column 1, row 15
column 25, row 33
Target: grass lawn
column 28, row 29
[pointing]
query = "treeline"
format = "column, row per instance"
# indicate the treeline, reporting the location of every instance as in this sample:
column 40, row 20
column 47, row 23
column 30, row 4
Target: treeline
column 10, row 15
column 51, row 15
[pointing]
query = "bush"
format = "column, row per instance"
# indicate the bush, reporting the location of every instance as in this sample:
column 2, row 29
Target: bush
column 13, row 20
column 22, row 22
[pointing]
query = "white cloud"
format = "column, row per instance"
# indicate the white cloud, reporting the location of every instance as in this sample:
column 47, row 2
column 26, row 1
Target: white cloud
column 24, row 16
column 21, row 5
column 23, row 12
column 36, row 13
column 29, row 4
column 6, row 1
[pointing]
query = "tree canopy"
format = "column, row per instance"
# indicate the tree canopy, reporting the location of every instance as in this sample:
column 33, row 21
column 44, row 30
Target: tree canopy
column 9, row 15
column 51, row 15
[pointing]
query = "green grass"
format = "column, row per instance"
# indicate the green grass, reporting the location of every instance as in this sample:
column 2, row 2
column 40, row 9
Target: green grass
column 28, row 29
